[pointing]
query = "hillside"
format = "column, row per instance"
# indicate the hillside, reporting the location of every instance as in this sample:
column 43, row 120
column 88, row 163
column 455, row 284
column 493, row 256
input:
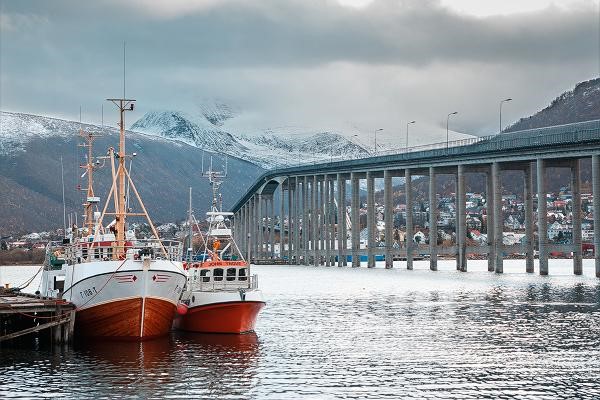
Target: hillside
column 578, row 105
column 30, row 184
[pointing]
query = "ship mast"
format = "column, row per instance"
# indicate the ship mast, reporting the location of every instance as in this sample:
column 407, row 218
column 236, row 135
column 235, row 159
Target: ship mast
column 91, row 199
column 121, row 212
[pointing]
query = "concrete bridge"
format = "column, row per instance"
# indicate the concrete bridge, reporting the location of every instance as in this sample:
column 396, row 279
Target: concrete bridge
column 308, row 193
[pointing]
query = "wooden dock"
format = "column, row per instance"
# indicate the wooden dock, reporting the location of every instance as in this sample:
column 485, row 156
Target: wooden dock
column 24, row 314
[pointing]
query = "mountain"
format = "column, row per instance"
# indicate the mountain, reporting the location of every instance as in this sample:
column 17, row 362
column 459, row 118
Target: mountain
column 577, row 105
column 214, row 128
column 31, row 148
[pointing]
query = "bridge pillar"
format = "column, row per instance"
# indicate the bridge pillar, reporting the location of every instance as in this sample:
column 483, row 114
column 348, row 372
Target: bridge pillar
column 355, row 211
column 322, row 231
column 341, row 217
column 490, row 227
column 326, row 220
column 291, row 223
column 432, row 221
column 332, row 218
column 271, row 221
column 315, row 220
column 596, row 204
column 282, row 222
column 297, row 221
column 576, row 197
column 529, row 225
column 305, row 224
column 462, row 218
column 252, row 227
column 542, row 216
column 389, row 218
column 257, row 226
column 239, row 237
column 410, row 234
column 261, row 231
column 244, row 232
column 498, row 221
column 371, row 220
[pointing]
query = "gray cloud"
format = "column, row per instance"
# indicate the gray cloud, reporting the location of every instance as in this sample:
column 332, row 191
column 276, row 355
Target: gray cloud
column 298, row 62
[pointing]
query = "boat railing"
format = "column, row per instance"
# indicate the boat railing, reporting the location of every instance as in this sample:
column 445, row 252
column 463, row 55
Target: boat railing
column 138, row 250
column 224, row 283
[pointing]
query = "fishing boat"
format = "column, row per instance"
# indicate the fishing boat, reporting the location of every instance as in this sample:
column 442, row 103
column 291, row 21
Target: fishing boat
column 221, row 295
column 123, row 287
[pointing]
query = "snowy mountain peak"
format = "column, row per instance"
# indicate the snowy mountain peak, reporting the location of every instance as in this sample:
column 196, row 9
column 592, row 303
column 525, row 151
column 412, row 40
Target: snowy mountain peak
column 269, row 148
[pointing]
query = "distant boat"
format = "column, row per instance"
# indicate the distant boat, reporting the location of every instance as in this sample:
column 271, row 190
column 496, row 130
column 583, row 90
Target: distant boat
column 221, row 295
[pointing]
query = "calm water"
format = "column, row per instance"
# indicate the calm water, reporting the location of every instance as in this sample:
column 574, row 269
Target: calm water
column 353, row 333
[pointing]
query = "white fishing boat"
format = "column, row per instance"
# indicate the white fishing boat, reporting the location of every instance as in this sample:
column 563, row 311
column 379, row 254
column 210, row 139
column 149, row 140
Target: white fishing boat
column 123, row 287
column 221, row 294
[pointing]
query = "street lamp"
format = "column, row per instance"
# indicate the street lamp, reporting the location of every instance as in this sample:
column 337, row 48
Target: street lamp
column 407, row 124
column 376, row 130
column 503, row 101
column 448, row 119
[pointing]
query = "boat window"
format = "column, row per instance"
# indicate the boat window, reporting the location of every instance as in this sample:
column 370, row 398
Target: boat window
column 218, row 274
column 231, row 274
column 242, row 274
column 205, row 274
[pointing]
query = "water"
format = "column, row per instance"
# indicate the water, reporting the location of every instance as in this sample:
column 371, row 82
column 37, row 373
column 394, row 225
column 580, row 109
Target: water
column 353, row 333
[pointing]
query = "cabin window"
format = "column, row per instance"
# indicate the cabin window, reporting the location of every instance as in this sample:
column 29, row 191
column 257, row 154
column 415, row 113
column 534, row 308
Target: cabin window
column 218, row 274
column 205, row 274
column 96, row 253
column 242, row 274
column 231, row 274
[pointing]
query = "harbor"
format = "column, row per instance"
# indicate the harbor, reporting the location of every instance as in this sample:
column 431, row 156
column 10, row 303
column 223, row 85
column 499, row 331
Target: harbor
column 400, row 333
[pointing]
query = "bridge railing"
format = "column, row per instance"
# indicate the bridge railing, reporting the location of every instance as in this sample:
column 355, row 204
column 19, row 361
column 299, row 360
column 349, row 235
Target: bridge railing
column 569, row 133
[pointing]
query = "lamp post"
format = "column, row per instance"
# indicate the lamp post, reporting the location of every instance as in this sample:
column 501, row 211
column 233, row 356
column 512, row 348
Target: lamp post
column 376, row 130
column 407, row 124
column 447, row 120
column 501, row 102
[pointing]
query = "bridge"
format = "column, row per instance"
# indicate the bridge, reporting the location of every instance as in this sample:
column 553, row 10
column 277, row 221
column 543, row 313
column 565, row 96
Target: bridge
column 308, row 193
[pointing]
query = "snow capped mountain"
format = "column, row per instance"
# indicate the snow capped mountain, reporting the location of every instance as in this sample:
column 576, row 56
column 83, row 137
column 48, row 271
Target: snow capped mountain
column 213, row 129
column 31, row 171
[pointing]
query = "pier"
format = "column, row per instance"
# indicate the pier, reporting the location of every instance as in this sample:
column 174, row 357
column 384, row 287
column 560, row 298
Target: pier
column 310, row 194
column 23, row 314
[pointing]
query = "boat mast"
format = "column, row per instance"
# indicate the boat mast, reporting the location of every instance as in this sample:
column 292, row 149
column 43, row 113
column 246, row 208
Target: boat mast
column 191, row 233
column 89, row 167
column 121, row 212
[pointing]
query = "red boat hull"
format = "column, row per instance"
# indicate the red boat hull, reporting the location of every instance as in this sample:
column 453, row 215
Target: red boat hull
column 229, row 317
column 130, row 319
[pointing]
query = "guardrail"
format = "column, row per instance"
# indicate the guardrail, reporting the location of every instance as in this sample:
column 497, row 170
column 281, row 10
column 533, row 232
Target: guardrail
column 80, row 252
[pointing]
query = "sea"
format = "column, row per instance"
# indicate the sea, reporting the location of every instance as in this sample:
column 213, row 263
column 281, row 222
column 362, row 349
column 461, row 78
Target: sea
column 351, row 333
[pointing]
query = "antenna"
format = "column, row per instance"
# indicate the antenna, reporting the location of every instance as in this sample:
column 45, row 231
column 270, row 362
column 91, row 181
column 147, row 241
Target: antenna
column 62, row 176
column 124, row 70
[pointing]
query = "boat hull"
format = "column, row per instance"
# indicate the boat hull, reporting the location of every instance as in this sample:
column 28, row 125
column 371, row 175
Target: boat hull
column 226, row 317
column 128, row 300
column 129, row 319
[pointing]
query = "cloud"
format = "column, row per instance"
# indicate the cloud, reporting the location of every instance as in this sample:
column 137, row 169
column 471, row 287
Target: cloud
column 321, row 64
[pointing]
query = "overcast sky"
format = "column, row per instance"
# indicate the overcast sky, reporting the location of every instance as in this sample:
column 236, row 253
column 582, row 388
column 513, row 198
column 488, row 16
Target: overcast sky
column 350, row 65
